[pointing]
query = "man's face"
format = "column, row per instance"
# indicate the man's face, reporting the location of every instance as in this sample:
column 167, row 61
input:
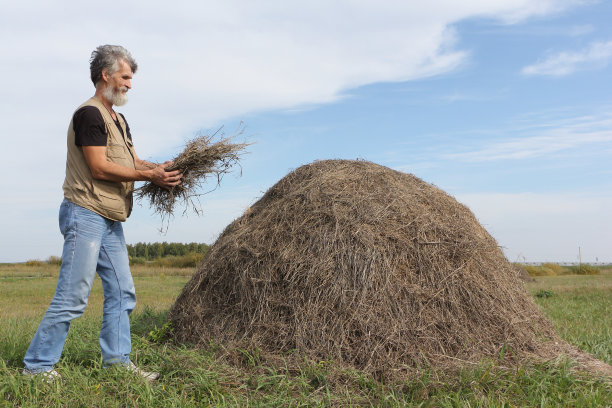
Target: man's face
column 118, row 84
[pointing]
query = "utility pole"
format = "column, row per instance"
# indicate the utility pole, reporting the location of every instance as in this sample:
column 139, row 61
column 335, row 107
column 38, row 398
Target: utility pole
column 579, row 258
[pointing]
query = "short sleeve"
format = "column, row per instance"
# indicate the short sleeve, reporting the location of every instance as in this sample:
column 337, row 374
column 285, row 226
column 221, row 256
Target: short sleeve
column 89, row 127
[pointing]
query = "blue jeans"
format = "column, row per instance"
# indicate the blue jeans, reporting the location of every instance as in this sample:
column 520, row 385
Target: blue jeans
column 92, row 244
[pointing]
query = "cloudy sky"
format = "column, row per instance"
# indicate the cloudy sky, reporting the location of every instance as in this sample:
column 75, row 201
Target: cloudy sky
column 504, row 104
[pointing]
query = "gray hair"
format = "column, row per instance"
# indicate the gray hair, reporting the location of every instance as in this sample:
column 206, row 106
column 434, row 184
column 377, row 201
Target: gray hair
column 107, row 57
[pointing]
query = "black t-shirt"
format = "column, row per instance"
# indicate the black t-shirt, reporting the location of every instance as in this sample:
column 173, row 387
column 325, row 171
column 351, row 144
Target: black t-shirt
column 89, row 127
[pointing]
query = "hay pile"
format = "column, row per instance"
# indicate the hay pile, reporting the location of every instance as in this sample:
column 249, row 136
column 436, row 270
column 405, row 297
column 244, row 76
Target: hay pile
column 370, row 267
column 201, row 159
column 522, row 273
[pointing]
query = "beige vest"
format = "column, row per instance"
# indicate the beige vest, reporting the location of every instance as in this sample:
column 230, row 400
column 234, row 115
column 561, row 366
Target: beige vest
column 110, row 199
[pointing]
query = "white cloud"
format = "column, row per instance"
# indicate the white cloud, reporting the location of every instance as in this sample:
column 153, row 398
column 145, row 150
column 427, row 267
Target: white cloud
column 536, row 227
column 580, row 30
column 543, row 139
column 202, row 62
column 597, row 55
column 460, row 96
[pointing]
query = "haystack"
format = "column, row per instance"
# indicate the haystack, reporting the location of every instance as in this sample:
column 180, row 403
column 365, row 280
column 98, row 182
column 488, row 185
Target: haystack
column 522, row 273
column 373, row 268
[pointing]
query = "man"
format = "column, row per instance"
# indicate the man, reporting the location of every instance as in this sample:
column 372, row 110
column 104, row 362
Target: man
column 101, row 168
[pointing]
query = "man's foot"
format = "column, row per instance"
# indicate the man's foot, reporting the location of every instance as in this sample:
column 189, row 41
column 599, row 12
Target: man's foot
column 48, row 376
column 145, row 374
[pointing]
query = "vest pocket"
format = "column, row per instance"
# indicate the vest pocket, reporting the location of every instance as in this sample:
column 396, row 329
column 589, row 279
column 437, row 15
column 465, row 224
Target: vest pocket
column 110, row 202
column 117, row 151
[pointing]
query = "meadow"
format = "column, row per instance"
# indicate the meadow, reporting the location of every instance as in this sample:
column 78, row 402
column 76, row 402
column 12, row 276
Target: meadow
column 580, row 307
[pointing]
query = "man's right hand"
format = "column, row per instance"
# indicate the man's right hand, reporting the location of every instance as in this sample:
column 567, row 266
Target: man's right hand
column 163, row 178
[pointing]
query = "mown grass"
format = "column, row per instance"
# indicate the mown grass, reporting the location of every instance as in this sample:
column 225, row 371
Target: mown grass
column 579, row 307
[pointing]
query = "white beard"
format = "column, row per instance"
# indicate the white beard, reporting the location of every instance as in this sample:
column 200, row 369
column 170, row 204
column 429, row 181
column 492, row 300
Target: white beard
column 116, row 97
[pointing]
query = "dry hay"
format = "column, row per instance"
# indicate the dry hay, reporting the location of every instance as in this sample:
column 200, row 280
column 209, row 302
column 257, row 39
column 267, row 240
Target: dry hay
column 522, row 273
column 364, row 265
column 200, row 159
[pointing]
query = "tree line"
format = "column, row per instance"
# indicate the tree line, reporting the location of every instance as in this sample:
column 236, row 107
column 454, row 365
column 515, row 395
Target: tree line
column 156, row 250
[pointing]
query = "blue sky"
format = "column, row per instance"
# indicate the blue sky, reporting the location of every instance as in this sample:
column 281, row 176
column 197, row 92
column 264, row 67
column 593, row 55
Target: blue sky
column 505, row 105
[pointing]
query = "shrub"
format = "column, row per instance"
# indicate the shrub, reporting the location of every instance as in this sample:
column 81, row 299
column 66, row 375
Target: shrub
column 555, row 268
column 584, row 269
column 137, row 260
column 54, row 260
column 190, row 260
column 539, row 270
column 155, row 250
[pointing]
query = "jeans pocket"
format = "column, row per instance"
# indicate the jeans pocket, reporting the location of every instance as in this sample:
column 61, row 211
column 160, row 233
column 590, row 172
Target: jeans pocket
column 65, row 216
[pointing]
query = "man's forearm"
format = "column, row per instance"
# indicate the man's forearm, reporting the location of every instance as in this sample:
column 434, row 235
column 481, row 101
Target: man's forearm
column 158, row 175
column 114, row 172
column 103, row 169
column 144, row 165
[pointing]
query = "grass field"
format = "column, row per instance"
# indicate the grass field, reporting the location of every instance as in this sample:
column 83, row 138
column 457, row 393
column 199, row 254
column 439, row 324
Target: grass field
column 579, row 306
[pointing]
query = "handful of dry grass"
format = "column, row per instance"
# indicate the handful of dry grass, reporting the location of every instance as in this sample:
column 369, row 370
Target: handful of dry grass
column 201, row 159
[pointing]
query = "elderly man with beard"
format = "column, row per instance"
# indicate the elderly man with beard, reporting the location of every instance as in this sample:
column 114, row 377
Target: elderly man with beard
column 101, row 168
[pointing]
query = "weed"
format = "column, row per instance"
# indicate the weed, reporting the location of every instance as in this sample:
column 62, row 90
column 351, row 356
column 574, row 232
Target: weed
column 159, row 335
column 544, row 293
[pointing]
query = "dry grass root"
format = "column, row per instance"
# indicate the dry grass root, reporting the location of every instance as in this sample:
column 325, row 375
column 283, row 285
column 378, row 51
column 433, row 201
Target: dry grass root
column 201, row 159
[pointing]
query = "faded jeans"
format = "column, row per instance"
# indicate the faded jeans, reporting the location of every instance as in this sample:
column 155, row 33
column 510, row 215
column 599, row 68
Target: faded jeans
column 92, row 244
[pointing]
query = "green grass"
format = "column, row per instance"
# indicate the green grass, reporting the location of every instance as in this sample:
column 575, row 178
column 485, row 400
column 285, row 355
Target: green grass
column 579, row 307
column 581, row 310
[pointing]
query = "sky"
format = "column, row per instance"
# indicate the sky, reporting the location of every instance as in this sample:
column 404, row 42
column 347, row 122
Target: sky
column 504, row 104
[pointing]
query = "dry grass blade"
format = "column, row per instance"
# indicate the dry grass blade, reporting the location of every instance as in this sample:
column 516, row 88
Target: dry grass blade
column 202, row 158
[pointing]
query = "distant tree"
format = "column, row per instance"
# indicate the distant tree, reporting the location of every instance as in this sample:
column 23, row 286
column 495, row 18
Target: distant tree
column 157, row 250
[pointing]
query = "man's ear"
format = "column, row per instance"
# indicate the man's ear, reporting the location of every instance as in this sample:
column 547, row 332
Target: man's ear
column 105, row 75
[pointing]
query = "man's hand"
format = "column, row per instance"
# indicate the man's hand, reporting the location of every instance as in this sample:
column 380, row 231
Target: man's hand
column 102, row 169
column 163, row 178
